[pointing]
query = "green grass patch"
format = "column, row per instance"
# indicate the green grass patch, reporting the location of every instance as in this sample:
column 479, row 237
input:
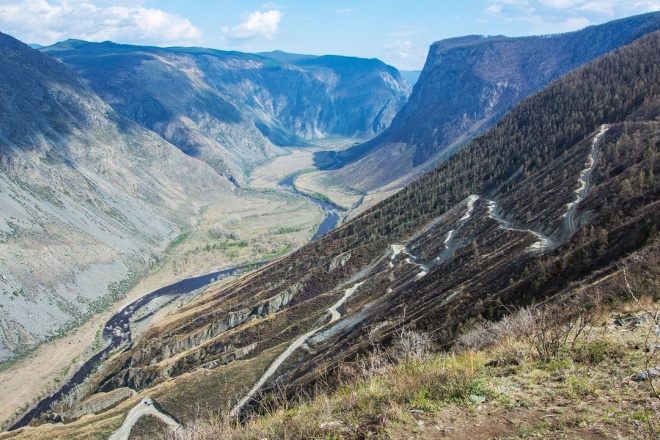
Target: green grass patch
column 177, row 241
column 281, row 231
column 279, row 253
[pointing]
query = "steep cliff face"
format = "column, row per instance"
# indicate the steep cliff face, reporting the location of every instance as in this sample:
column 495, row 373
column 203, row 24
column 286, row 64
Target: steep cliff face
column 86, row 195
column 364, row 95
column 233, row 109
column 466, row 86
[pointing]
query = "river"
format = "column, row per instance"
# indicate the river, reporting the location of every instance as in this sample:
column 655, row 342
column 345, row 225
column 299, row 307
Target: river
column 117, row 331
column 332, row 211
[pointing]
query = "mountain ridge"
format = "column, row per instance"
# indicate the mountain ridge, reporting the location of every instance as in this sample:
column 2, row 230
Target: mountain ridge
column 234, row 110
column 88, row 198
column 466, row 85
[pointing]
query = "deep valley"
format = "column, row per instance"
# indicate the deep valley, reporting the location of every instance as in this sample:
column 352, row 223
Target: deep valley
column 204, row 244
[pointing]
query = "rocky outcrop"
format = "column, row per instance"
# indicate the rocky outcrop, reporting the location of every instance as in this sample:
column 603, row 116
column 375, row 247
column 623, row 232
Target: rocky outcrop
column 466, row 86
column 219, row 326
column 339, row 261
column 98, row 403
column 145, row 363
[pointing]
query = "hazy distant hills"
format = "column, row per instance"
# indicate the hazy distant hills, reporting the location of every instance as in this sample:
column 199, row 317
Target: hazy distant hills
column 466, row 86
column 86, row 197
column 233, row 109
column 551, row 198
column 412, row 76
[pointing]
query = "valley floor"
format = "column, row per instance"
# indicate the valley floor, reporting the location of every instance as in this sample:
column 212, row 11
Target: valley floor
column 260, row 223
column 251, row 227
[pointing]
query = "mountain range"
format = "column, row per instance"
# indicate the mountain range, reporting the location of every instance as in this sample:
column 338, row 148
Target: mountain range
column 87, row 196
column 533, row 168
column 551, row 198
column 97, row 182
column 231, row 109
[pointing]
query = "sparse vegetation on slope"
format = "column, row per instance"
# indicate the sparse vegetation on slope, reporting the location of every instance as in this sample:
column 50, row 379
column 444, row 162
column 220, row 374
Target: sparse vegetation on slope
column 547, row 370
column 467, row 85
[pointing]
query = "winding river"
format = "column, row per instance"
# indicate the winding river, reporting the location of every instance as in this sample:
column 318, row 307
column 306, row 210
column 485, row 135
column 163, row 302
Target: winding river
column 332, row 211
column 117, row 331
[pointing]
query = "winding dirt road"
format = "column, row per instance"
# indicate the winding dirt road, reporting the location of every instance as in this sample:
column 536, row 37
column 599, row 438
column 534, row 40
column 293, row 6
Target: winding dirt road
column 334, row 316
column 145, row 407
column 542, row 243
column 446, row 253
column 570, row 224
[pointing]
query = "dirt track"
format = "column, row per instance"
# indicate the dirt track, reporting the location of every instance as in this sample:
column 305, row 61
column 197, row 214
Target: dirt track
column 145, row 407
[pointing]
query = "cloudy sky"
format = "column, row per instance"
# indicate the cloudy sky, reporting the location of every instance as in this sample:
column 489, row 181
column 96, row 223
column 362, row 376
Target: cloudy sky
column 397, row 31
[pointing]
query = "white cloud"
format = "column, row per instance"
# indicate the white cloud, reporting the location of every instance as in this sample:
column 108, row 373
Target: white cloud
column 405, row 32
column 49, row 21
column 562, row 4
column 405, row 54
column 401, row 49
column 256, row 24
column 551, row 16
column 494, row 9
column 567, row 25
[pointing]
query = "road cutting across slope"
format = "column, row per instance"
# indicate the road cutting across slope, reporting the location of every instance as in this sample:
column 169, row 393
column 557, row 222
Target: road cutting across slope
column 334, row 316
column 145, row 407
column 570, row 223
column 543, row 243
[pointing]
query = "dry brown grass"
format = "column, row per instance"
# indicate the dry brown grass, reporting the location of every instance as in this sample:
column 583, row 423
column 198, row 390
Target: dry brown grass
column 564, row 369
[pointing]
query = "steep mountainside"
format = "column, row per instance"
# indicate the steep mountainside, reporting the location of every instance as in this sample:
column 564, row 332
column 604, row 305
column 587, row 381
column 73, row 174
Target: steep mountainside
column 231, row 109
column 466, row 86
column 554, row 195
column 86, row 197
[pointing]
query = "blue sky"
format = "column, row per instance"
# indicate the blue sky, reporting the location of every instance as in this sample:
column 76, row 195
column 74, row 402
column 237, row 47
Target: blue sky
column 397, row 32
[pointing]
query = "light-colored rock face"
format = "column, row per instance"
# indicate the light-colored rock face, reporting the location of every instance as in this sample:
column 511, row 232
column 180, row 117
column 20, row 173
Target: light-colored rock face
column 99, row 402
column 233, row 110
column 86, row 195
column 339, row 261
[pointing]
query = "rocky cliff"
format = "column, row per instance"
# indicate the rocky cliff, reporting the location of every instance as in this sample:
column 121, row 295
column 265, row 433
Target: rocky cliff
column 232, row 109
column 87, row 197
column 466, row 86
